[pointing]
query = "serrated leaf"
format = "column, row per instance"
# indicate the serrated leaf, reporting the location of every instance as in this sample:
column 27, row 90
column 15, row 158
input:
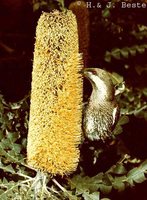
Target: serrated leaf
column 116, row 78
column 9, row 168
column 137, row 174
column 98, row 178
column 107, row 179
column 5, row 181
column 119, row 184
column 92, row 196
column 11, row 153
column 118, row 130
column 105, row 189
column 1, row 191
column 132, row 51
column 13, row 136
column 17, row 148
column 119, row 169
column 123, row 120
column 85, row 184
column 139, row 179
column 124, row 52
column 116, row 54
column 5, row 143
column 141, row 49
column 144, row 165
column 107, row 56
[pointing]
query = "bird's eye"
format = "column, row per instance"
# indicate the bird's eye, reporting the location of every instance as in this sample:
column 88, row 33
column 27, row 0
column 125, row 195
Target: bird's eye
column 94, row 72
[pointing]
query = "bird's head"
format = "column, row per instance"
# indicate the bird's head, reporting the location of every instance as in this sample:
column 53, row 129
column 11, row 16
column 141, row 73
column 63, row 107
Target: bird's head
column 101, row 82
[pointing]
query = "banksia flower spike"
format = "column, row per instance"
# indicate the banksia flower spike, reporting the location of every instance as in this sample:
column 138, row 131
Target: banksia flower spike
column 79, row 8
column 56, row 97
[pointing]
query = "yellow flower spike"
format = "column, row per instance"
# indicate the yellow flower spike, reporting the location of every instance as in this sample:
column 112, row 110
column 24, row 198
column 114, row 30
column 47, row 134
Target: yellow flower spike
column 56, row 96
column 79, row 8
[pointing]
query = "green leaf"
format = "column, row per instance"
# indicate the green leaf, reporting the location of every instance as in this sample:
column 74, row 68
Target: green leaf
column 7, row 168
column 119, row 169
column 119, row 184
column 85, row 184
column 5, row 181
column 123, row 120
column 141, row 49
column 124, row 52
column 118, row 130
column 105, row 189
column 106, row 13
column 144, row 165
column 5, row 143
column 116, row 78
column 132, row 51
column 137, row 174
column 13, row 136
column 108, row 56
column 17, row 148
column 116, row 54
column 145, row 91
column 141, row 178
column 92, row 196
column 36, row 6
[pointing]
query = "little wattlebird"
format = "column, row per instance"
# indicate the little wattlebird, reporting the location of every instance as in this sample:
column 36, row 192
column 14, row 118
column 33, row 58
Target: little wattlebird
column 101, row 112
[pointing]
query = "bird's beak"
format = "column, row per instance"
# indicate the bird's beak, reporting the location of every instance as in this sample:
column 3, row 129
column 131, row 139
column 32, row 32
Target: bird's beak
column 84, row 72
column 87, row 71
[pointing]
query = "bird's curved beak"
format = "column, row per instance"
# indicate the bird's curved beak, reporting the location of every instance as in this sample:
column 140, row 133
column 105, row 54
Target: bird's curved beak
column 86, row 71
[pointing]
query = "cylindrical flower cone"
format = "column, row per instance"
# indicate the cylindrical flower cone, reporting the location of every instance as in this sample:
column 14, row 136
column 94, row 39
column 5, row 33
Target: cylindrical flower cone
column 56, row 96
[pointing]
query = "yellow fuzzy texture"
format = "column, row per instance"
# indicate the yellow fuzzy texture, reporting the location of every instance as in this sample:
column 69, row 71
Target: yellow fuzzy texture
column 79, row 8
column 56, row 96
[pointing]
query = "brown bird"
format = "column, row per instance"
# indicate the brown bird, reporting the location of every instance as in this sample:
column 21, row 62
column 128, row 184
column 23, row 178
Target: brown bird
column 102, row 111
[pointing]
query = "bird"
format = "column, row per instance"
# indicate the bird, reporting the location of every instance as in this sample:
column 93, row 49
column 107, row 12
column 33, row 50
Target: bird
column 101, row 113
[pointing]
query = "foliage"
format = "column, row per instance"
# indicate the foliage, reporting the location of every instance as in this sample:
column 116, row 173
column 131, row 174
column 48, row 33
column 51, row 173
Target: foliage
column 18, row 180
column 116, row 178
column 125, row 52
